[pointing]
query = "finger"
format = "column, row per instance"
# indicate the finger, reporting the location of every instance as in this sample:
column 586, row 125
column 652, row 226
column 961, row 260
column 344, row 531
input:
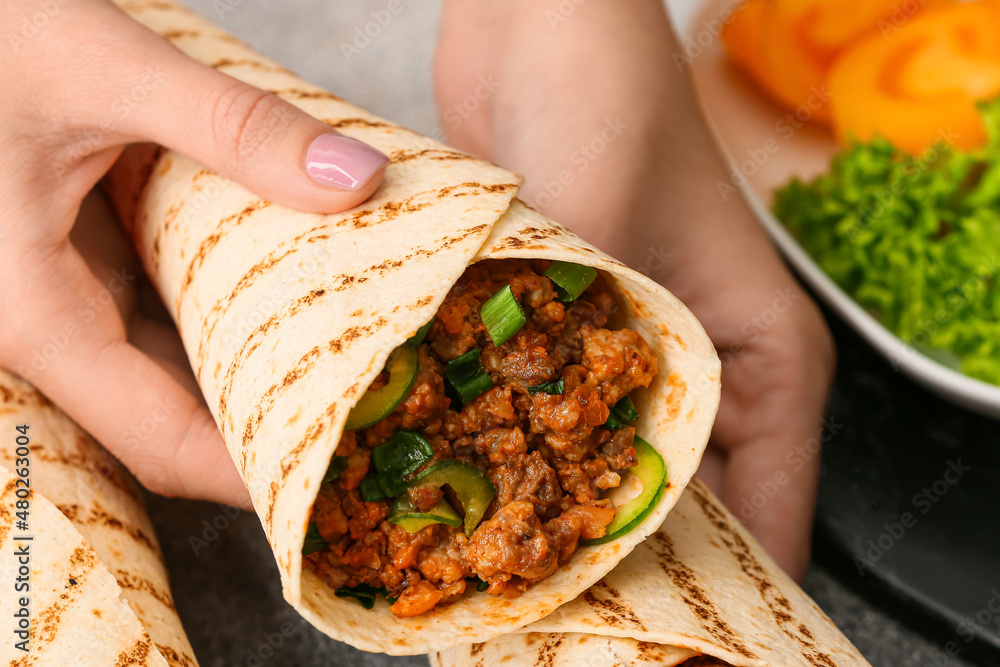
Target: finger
column 712, row 468
column 160, row 431
column 136, row 86
column 99, row 239
column 770, row 430
column 774, row 500
column 162, row 344
column 269, row 146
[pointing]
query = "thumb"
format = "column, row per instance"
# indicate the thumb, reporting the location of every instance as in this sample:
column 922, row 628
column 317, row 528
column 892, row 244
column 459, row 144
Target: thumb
column 253, row 137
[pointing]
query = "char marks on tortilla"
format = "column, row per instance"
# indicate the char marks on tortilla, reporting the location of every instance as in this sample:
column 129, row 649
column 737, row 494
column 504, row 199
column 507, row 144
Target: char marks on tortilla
column 99, row 587
column 699, row 586
column 287, row 317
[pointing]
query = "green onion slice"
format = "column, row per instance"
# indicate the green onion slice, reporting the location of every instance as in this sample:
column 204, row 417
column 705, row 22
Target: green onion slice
column 370, row 489
column 313, row 542
column 502, row 315
column 623, row 414
column 482, row 586
column 378, row 404
column 421, row 334
column 466, row 378
column 570, row 280
column 399, row 456
column 338, row 464
column 554, row 388
column 473, row 488
column 407, row 516
column 652, row 472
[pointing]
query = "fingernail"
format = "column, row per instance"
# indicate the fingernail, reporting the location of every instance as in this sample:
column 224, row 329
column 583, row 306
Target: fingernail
column 334, row 160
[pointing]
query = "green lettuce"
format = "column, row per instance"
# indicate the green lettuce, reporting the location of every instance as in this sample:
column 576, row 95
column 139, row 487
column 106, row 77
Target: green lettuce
column 914, row 240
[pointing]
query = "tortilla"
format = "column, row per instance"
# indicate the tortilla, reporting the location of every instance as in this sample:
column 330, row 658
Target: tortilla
column 288, row 317
column 99, row 593
column 701, row 585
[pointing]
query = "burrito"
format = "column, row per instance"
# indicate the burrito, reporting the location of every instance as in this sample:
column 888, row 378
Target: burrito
column 451, row 413
column 87, row 581
column 700, row 591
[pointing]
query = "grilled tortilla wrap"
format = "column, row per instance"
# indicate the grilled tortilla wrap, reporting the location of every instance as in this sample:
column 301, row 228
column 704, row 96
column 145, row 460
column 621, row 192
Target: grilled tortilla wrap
column 701, row 586
column 98, row 592
column 288, row 317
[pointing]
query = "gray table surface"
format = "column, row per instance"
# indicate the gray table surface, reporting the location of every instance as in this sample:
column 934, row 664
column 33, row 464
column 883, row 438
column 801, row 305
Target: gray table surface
column 224, row 579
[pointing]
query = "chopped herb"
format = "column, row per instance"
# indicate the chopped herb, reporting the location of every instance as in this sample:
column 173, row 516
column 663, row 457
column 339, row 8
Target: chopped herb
column 465, row 378
column 482, row 586
column 421, row 334
column 371, row 492
column 622, row 414
column 364, row 594
column 338, row 464
column 399, row 456
column 554, row 388
column 313, row 541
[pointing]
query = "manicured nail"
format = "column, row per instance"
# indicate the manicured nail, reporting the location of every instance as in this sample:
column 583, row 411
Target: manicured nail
column 334, row 160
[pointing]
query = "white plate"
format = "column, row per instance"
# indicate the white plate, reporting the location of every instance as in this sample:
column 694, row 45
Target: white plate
column 763, row 144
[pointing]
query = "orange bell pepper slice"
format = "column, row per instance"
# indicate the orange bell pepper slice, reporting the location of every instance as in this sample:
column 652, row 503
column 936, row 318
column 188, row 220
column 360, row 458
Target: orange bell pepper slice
column 788, row 46
column 920, row 83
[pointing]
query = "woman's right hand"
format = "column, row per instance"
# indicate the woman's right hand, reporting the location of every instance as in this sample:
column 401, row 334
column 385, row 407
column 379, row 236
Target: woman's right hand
column 80, row 80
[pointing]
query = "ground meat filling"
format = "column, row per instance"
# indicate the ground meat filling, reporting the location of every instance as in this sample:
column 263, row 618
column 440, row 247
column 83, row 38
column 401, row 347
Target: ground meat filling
column 548, row 456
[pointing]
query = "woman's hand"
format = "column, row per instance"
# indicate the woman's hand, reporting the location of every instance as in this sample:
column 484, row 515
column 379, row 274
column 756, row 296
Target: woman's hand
column 78, row 86
column 585, row 100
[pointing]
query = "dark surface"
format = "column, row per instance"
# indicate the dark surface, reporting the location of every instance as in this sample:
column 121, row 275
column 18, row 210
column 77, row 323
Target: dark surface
column 230, row 602
column 908, row 501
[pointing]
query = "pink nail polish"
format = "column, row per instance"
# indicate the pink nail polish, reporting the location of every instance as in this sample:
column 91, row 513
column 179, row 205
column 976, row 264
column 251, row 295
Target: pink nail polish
column 334, row 160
